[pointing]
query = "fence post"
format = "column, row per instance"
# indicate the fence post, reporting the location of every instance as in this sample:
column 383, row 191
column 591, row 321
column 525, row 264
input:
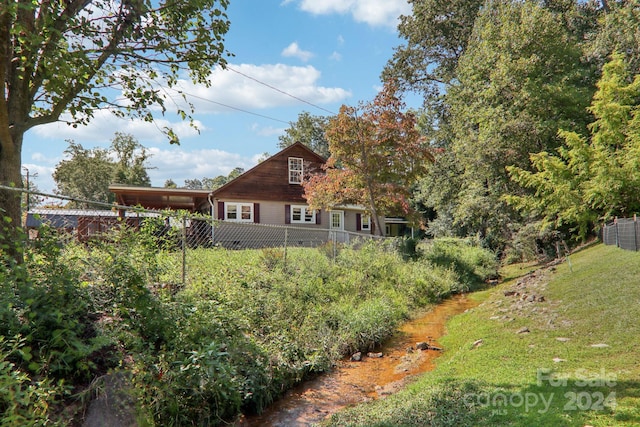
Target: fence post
column 184, row 251
column 615, row 224
column 286, row 237
column 635, row 233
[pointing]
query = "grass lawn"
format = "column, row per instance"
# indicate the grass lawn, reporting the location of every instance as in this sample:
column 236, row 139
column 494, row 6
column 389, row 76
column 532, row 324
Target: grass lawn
column 557, row 347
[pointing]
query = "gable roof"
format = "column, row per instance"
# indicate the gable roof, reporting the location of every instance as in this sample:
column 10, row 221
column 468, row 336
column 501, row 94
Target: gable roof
column 269, row 180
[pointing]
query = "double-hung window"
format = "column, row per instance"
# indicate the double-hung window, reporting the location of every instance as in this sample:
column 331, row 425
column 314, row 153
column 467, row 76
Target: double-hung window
column 365, row 224
column 302, row 215
column 241, row 212
column 295, row 170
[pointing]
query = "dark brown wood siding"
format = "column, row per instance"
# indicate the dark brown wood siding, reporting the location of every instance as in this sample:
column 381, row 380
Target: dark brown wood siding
column 269, row 180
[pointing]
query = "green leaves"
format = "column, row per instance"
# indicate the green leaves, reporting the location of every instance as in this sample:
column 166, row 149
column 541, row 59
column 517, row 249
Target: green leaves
column 590, row 179
column 87, row 173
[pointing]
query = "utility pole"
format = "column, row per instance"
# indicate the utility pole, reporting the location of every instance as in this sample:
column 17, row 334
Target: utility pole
column 25, row 168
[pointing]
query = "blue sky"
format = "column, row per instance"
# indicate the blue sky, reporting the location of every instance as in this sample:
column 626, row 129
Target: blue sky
column 327, row 52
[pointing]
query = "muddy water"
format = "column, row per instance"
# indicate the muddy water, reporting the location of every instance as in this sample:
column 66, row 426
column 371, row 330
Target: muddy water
column 355, row 382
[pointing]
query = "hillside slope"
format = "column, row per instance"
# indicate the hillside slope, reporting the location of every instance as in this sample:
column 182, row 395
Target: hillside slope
column 559, row 346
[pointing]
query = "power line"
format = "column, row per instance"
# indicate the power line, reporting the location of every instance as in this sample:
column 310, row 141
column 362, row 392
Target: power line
column 251, row 112
column 280, row 90
column 231, row 107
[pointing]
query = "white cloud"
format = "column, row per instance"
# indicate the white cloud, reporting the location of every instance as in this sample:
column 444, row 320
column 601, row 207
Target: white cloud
column 178, row 164
column 293, row 50
column 104, row 125
column 335, row 56
column 376, row 13
column 41, row 176
column 251, row 87
column 266, row 130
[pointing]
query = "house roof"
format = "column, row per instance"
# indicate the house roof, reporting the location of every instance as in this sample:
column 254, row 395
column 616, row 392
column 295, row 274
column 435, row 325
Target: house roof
column 261, row 179
column 198, row 200
column 161, row 197
column 61, row 218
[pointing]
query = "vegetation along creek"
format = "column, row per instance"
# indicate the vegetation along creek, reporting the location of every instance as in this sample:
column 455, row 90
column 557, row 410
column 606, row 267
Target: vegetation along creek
column 375, row 375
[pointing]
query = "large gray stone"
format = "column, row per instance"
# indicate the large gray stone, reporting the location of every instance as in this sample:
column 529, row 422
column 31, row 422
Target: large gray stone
column 114, row 405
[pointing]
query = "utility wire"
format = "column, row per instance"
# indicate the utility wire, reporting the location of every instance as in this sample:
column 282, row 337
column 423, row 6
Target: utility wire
column 230, row 106
column 280, row 90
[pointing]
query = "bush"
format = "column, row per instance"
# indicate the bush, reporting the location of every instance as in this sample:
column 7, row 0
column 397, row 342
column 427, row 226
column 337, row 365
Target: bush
column 473, row 265
column 239, row 334
column 531, row 243
column 23, row 401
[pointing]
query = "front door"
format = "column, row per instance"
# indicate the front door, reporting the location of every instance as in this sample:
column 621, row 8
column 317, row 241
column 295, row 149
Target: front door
column 337, row 226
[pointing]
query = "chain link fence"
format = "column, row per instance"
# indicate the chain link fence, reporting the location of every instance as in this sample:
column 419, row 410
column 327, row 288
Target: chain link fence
column 180, row 232
column 622, row 232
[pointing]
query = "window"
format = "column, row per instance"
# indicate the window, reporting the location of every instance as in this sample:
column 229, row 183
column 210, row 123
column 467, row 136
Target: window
column 242, row 212
column 365, row 224
column 295, row 170
column 302, row 215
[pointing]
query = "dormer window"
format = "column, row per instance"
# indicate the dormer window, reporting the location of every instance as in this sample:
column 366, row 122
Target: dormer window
column 295, row 170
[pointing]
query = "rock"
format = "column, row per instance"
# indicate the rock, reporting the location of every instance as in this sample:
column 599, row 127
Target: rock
column 409, row 350
column 356, row 357
column 375, row 355
column 563, row 339
column 477, row 343
column 541, row 298
column 523, row 330
column 509, row 293
column 114, row 405
column 426, row 346
column 531, row 298
column 558, row 360
column 601, row 345
column 422, row 345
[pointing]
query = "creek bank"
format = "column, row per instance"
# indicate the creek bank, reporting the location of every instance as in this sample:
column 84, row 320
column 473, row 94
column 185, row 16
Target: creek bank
column 391, row 368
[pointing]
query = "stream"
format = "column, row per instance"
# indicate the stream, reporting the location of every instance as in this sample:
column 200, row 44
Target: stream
column 352, row 382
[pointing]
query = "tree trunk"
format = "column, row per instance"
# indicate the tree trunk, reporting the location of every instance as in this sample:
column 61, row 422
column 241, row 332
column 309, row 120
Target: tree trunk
column 374, row 211
column 10, row 200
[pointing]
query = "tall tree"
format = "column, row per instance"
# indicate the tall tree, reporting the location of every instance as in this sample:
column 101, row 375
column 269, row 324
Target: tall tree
column 309, row 130
column 87, row 174
column 131, row 157
column 619, row 32
column 377, row 153
column 60, row 57
column 594, row 178
column 520, row 79
column 213, row 183
column 436, row 33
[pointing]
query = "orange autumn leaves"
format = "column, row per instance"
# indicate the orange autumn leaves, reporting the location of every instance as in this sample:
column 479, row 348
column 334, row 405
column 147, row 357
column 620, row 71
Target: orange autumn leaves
column 377, row 154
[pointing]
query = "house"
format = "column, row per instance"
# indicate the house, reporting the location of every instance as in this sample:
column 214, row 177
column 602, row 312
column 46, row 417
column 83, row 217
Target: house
column 269, row 194
column 272, row 193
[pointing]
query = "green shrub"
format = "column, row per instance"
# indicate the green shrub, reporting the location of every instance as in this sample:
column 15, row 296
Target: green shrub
column 272, row 257
column 473, row 264
column 531, row 243
column 24, row 401
column 239, row 334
